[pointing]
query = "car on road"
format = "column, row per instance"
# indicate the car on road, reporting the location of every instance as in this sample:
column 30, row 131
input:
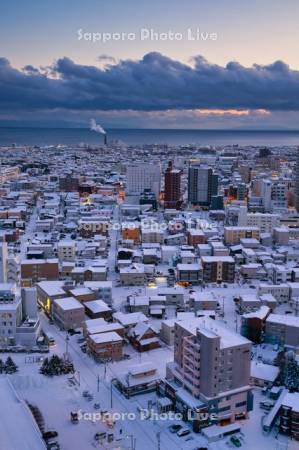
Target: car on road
column 85, row 393
column 175, row 428
column 236, row 441
column 183, row 432
column 267, row 405
column 71, row 331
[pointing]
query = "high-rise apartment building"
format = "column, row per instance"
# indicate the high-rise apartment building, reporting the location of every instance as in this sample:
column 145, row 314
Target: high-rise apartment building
column 3, row 262
column 212, row 363
column 202, row 185
column 297, row 181
column 172, row 180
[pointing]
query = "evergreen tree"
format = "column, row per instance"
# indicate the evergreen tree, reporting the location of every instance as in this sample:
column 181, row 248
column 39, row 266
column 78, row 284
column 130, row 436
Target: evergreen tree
column 9, row 366
column 56, row 366
column 291, row 372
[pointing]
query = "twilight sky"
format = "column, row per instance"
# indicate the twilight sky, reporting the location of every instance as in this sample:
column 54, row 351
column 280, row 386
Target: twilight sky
column 242, row 72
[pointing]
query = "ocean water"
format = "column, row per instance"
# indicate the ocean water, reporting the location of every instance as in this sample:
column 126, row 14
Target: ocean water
column 75, row 136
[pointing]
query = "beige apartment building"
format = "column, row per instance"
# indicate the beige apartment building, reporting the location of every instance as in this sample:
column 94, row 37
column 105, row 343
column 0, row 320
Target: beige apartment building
column 68, row 313
column 133, row 275
column 233, row 235
column 212, row 365
column 66, row 250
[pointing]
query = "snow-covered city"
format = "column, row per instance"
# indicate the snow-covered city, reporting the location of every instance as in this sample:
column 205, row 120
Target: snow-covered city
column 149, row 225
column 149, row 297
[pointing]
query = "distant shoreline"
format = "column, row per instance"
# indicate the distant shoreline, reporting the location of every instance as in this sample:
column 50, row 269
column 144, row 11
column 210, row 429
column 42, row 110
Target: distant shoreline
column 139, row 136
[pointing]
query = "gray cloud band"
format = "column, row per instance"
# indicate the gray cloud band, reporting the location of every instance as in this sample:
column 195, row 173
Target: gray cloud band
column 154, row 83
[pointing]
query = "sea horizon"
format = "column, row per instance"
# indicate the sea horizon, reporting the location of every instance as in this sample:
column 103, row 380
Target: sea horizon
column 45, row 136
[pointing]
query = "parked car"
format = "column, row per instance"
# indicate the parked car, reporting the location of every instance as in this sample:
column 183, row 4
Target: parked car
column 267, row 405
column 183, row 432
column 235, row 441
column 71, row 331
column 85, row 393
column 174, row 428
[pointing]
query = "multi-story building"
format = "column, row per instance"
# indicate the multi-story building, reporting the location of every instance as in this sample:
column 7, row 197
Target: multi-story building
column 105, row 346
column 3, row 262
column 19, row 323
column 289, row 415
column 102, row 289
column 212, row 363
column 274, row 194
column 172, row 189
column 68, row 183
column 9, row 173
column 147, row 197
column 142, row 176
column 202, row 185
column 133, row 275
column 281, row 292
column 283, row 330
column 47, row 292
column 265, row 222
column 68, row 313
column 10, row 313
column 195, row 237
column 189, row 273
column 233, row 235
column 218, row 269
column 34, row 270
column 253, row 324
column 152, row 236
column 297, row 181
column 66, row 250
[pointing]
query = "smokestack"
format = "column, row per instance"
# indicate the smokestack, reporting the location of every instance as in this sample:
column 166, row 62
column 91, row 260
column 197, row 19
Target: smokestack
column 105, row 139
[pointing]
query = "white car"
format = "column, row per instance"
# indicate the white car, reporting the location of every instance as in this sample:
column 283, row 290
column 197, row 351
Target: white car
column 183, row 432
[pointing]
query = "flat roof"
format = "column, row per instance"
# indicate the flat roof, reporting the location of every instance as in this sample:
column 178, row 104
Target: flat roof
column 263, row 371
column 97, row 306
column 194, row 266
column 101, row 338
column 52, row 287
column 217, row 258
column 68, row 303
column 286, row 319
column 130, row 318
column 211, row 327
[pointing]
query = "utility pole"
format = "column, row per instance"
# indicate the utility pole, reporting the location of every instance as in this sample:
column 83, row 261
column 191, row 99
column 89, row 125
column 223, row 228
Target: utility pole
column 98, row 383
column 158, row 434
column 111, row 395
column 67, row 338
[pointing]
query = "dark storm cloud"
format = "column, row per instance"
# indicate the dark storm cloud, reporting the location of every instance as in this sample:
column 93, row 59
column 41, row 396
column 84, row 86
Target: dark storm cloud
column 154, row 83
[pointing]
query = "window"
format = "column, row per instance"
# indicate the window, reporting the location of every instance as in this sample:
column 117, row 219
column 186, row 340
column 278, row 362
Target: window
column 241, row 404
column 225, row 408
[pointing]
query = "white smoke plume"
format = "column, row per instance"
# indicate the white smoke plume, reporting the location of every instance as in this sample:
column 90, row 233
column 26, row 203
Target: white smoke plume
column 96, row 127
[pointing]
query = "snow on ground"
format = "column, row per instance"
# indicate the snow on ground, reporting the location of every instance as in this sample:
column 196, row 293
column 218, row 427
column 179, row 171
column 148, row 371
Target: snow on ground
column 56, row 398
